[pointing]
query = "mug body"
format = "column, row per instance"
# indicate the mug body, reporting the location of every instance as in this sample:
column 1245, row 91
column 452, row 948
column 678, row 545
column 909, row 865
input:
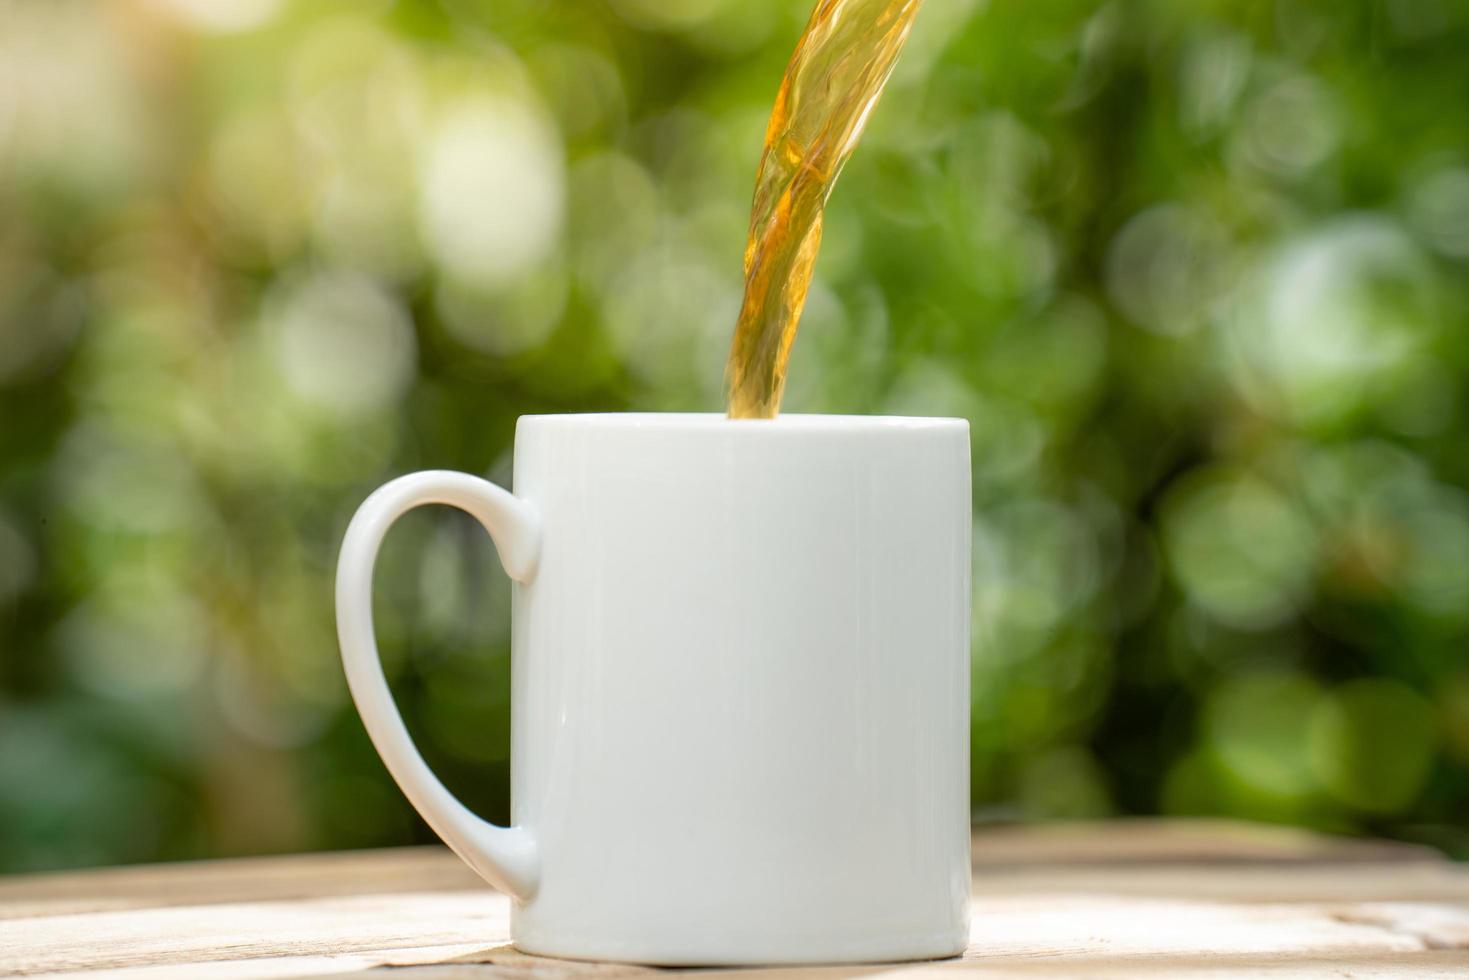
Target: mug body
column 741, row 688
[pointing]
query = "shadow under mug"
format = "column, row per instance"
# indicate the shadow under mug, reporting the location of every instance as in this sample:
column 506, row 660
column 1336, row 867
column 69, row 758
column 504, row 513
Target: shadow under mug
column 740, row 685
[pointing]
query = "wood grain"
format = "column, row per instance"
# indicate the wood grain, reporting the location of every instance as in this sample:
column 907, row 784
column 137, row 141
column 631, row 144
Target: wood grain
column 1103, row 900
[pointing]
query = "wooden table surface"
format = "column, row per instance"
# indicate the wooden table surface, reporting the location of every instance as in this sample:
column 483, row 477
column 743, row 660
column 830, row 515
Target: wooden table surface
column 1120, row 899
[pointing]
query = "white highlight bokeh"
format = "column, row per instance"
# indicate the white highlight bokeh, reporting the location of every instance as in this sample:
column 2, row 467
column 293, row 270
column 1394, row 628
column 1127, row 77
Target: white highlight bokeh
column 493, row 190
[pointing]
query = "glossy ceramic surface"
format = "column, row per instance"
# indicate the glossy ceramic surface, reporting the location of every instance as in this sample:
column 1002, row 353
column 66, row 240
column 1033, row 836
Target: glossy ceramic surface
column 740, row 686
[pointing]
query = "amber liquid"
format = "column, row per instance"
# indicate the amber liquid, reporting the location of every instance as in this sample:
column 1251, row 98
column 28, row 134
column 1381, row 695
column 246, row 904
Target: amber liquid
column 836, row 74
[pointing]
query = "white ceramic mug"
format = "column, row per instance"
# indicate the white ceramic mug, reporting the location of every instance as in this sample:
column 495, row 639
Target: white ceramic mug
column 740, row 675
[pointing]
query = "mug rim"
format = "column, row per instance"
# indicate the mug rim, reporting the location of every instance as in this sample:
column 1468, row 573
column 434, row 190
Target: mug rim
column 791, row 422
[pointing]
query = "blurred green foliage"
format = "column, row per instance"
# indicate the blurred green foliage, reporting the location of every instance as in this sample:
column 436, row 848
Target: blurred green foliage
column 1195, row 272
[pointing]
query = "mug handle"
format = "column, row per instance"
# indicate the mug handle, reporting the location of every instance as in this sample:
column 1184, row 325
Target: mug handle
column 504, row 856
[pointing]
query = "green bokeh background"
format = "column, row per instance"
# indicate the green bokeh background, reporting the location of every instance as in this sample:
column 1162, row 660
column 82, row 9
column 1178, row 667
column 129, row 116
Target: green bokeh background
column 1196, row 273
